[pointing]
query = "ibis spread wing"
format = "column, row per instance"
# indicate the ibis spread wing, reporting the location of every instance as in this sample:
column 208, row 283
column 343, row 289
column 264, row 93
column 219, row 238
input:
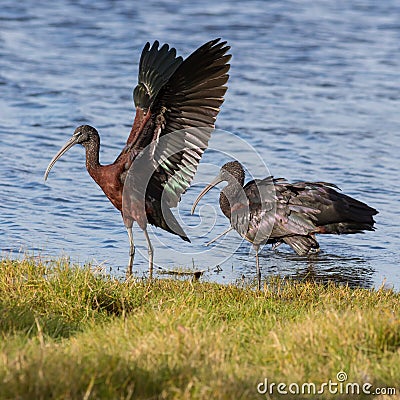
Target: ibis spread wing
column 172, row 130
column 183, row 118
column 155, row 68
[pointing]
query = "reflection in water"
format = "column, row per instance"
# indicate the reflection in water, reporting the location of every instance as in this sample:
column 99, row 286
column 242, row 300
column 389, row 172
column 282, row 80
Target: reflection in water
column 331, row 268
column 320, row 268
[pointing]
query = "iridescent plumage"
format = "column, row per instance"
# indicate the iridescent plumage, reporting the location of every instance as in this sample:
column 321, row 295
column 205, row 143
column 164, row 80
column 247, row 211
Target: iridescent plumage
column 275, row 211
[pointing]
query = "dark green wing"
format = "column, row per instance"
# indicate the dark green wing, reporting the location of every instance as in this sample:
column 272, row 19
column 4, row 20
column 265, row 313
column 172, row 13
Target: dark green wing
column 183, row 118
column 155, row 68
column 172, row 134
column 187, row 108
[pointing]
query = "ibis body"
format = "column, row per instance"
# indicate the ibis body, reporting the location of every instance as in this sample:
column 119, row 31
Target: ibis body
column 177, row 102
column 275, row 211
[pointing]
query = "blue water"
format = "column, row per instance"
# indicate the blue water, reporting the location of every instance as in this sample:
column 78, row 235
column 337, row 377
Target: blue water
column 314, row 89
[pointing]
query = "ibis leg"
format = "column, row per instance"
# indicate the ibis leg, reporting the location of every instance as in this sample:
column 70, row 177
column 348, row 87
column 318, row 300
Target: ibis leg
column 150, row 250
column 131, row 253
column 220, row 235
column 258, row 269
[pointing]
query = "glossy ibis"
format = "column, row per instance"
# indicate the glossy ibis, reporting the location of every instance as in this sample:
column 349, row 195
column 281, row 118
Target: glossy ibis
column 275, row 211
column 172, row 95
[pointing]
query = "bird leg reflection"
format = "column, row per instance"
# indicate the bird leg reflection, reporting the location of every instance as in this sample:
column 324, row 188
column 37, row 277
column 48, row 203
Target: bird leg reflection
column 131, row 253
column 150, row 251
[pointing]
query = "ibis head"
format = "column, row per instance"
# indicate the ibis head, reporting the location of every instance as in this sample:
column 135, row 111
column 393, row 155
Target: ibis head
column 85, row 135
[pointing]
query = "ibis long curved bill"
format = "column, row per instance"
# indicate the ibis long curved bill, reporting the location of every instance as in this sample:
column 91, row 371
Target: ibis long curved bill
column 214, row 182
column 71, row 142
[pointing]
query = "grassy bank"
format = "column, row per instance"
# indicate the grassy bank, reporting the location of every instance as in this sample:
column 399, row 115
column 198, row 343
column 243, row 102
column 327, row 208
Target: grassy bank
column 69, row 333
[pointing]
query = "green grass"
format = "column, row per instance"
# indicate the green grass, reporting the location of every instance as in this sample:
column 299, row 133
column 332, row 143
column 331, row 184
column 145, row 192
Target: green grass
column 71, row 333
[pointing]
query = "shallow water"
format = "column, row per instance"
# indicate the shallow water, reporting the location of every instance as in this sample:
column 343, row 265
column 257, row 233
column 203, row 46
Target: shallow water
column 314, row 89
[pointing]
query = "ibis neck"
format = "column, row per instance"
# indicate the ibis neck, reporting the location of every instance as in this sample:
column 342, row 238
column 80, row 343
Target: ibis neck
column 229, row 196
column 92, row 154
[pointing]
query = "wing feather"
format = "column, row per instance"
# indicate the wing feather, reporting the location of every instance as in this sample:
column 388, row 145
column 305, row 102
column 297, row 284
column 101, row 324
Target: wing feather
column 155, row 68
column 189, row 104
column 177, row 116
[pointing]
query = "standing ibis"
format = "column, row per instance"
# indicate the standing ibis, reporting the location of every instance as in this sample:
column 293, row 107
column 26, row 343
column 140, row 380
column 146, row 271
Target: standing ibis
column 177, row 102
column 275, row 211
